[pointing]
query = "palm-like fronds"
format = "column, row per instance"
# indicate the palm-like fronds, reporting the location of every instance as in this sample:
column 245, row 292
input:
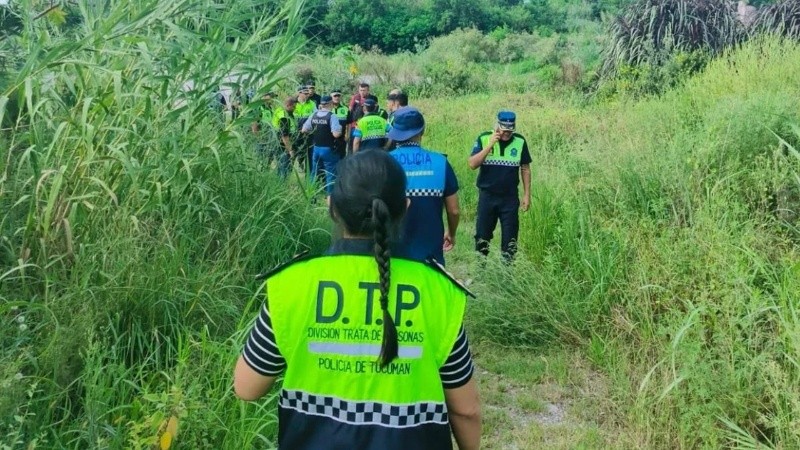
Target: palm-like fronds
column 649, row 30
column 780, row 18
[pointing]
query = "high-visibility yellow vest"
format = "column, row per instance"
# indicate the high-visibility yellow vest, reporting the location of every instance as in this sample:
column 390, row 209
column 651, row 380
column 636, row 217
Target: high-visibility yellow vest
column 327, row 325
column 372, row 127
column 279, row 114
column 511, row 155
column 266, row 115
column 342, row 112
column 303, row 111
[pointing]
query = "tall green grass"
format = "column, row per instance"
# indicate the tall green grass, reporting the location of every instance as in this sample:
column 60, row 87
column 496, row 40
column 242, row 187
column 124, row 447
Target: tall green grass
column 663, row 238
column 133, row 221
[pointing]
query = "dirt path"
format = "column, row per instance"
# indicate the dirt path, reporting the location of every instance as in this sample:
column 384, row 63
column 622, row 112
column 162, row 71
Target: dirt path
column 543, row 401
column 539, row 399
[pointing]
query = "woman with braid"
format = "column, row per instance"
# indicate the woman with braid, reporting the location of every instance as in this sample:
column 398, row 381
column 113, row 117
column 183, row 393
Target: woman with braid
column 371, row 346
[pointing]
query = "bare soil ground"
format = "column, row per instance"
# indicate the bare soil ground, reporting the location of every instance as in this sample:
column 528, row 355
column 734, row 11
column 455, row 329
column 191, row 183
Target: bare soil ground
column 552, row 401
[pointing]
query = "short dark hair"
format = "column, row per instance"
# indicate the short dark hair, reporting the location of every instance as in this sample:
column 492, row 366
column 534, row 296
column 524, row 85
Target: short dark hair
column 364, row 85
column 400, row 97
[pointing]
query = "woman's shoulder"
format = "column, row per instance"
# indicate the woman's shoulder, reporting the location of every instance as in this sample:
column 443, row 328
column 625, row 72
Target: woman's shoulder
column 302, row 256
column 435, row 269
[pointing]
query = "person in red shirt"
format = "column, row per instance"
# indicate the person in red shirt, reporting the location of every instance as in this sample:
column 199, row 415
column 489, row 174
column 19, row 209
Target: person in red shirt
column 356, row 111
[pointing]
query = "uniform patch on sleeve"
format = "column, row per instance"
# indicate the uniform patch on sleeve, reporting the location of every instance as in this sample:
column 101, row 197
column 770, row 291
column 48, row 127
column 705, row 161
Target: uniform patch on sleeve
column 440, row 268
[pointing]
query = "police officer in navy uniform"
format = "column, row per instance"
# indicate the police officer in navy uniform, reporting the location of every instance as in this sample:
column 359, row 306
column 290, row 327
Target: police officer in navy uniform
column 312, row 93
column 501, row 156
column 324, row 128
column 285, row 125
column 342, row 113
column 381, row 112
column 303, row 110
column 374, row 357
column 432, row 188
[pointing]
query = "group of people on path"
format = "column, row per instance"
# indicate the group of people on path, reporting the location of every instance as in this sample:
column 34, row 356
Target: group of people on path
column 369, row 337
column 318, row 131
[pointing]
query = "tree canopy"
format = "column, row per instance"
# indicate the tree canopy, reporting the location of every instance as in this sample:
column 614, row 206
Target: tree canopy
column 397, row 25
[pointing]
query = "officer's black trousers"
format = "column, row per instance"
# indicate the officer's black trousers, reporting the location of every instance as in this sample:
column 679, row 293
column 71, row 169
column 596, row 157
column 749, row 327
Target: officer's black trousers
column 492, row 207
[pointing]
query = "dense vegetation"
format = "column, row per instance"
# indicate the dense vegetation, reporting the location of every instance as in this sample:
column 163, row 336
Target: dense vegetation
column 395, row 25
column 662, row 240
column 133, row 224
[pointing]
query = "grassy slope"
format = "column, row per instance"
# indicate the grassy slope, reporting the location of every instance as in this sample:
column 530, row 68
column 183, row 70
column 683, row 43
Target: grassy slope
column 660, row 241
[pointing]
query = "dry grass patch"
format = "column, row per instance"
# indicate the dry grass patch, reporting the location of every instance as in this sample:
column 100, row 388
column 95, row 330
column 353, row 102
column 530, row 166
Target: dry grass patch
column 550, row 400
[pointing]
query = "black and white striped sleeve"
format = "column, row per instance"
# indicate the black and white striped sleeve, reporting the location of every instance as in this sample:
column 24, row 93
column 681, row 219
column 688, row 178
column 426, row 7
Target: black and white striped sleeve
column 261, row 352
column 458, row 368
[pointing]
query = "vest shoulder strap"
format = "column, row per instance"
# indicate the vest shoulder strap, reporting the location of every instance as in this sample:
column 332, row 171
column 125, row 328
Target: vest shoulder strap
column 436, row 265
column 302, row 256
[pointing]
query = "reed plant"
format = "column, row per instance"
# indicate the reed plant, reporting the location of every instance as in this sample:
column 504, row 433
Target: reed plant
column 134, row 218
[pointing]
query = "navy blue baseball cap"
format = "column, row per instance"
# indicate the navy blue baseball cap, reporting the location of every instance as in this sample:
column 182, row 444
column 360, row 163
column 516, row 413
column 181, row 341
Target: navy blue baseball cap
column 370, row 102
column 325, row 99
column 408, row 122
column 506, row 120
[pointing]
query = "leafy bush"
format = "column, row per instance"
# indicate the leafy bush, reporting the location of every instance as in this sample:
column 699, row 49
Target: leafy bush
column 650, row 78
column 452, row 76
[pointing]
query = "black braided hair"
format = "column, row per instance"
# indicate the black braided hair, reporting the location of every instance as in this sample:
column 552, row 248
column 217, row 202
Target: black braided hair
column 380, row 220
column 369, row 200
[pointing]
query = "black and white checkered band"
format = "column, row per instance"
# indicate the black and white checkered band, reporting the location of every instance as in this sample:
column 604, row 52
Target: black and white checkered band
column 424, row 193
column 500, row 162
column 365, row 413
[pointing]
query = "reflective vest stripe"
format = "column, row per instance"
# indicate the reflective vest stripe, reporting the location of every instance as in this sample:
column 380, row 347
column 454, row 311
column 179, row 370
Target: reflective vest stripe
column 425, row 171
column 365, row 412
column 403, row 351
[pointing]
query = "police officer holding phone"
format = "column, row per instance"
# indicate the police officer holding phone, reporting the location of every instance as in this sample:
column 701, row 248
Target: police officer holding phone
column 502, row 156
